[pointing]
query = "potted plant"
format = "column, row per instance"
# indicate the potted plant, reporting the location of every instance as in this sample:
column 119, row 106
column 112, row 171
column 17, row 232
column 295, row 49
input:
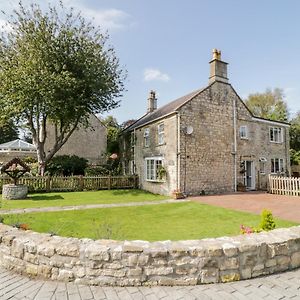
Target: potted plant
column 177, row 194
column 161, row 173
column 241, row 187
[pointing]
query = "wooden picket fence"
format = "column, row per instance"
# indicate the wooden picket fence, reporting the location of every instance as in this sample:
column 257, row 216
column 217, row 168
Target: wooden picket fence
column 74, row 183
column 284, row 185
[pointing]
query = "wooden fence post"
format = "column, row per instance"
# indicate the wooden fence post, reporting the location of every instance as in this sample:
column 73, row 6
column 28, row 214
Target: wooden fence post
column 81, row 183
column 109, row 182
column 48, row 179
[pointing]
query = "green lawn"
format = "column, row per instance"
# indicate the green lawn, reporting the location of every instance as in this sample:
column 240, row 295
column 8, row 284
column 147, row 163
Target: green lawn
column 153, row 222
column 79, row 198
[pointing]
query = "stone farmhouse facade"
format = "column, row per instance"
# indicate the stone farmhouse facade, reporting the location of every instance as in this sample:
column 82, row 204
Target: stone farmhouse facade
column 89, row 143
column 205, row 142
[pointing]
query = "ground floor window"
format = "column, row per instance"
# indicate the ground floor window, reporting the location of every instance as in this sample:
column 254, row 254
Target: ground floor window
column 132, row 167
column 277, row 165
column 153, row 165
column 262, row 165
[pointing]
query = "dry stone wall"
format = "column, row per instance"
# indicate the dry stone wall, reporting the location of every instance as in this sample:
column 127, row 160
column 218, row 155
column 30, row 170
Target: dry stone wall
column 134, row 263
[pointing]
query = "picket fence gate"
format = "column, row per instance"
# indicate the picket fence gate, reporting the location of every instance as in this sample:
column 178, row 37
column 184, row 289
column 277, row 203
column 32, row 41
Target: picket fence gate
column 284, row 185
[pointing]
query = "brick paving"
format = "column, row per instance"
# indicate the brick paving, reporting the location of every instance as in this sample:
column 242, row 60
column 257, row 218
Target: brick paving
column 86, row 206
column 280, row 286
column 284, row 207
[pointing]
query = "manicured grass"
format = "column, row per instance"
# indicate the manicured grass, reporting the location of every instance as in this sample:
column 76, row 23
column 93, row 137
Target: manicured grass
column 79, row 198
column 152, row 222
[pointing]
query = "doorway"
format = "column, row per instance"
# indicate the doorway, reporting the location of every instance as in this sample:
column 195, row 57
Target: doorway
column 249, row 175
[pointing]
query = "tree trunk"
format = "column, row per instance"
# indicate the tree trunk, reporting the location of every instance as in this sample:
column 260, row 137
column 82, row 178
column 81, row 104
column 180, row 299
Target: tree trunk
column 41, row 158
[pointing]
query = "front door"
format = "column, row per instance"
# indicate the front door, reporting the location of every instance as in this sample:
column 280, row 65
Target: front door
column 249, row 175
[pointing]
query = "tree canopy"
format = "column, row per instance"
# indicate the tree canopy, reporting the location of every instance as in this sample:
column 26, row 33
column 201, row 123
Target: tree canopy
column 8, row 132
column 270, row 105
column 55, row 67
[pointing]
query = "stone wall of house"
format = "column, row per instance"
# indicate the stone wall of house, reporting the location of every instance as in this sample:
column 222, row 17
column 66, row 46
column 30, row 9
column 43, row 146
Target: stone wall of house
column 134, row 263
column 168, row 151
column 89, row 143
column 208, row 164
column 258, row 145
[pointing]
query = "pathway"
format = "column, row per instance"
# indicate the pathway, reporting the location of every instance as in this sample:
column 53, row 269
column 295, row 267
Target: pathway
column 86, row 206
column 284, row 207
column 279, row 286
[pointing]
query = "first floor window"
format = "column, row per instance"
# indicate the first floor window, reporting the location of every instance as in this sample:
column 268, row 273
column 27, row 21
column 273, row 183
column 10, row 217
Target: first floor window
column 277, row 165
column 161, row 134
column 276, row 135
column 147, row 137
column 152, row 168
column 243, row 132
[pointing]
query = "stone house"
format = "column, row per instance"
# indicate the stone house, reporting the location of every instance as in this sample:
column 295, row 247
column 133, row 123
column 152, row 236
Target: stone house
column 205, row 142
column 89, row 143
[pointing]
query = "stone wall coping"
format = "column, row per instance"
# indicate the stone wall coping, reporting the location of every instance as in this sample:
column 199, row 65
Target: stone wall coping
column 109, row 262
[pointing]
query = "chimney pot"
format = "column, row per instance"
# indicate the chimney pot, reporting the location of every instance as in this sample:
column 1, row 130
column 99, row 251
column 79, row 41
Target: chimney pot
column 152, row 102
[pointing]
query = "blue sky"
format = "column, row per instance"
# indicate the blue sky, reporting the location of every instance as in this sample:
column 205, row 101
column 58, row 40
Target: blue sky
column 166, row 45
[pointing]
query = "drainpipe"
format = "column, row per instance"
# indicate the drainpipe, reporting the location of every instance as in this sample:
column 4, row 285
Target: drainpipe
column 178, row 151
column 234, row 144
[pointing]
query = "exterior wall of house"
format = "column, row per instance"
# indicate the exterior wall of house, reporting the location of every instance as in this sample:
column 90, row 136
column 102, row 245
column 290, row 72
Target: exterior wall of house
column 167, row 151
column 89, row 143
column 257, row 146
column 207, row 164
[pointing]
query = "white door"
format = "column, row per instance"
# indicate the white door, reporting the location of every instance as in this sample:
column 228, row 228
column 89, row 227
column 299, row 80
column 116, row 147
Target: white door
column 249, row 175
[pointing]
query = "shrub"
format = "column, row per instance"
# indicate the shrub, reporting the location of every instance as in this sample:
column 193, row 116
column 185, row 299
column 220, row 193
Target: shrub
column 97, row 171
column 267, row 221
column 67, row 165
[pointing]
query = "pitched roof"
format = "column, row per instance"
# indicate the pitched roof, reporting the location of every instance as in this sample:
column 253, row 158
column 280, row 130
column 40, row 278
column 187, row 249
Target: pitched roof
column 17, row 145
column 167, row 109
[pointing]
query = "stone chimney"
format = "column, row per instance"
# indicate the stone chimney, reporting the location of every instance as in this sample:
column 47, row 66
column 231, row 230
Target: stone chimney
column 152, row 102
column 218, row 68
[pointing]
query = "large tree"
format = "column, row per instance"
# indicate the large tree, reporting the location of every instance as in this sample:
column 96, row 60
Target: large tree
column 295, row 132
column 8, row 132
column 270, row 105
column 56, row 67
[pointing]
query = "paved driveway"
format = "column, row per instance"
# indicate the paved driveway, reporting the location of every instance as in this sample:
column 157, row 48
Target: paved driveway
column 274, row 287
column 284, row 207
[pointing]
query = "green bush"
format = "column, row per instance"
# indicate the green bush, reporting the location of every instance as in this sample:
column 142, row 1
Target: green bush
column 66, row 165
column 267, row 221
column 97, row 171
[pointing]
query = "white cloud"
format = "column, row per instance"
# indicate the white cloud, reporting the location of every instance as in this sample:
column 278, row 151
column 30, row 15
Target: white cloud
column 4, row 26
column 109, row 19
column 155, row 74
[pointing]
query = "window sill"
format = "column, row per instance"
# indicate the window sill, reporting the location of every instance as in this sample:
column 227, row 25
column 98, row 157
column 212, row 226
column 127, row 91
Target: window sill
column 245, row 138
column 156, row 181
column 158, row 145
column 276, row 142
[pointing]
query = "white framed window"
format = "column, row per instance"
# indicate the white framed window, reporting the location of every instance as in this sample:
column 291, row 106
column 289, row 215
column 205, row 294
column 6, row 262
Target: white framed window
column 147, row 137
column 132, row 167
column 152, row 166
column 277, row 165
column 244, row 132
column 161, row 133
column 276, row 135
column 262, row 165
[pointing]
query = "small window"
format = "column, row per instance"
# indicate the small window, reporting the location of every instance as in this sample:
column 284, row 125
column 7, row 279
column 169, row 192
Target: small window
column 243, row 132
column 277, row 165
column 152, row 167
column 132, row 167
column 262, row 165
column 276, row 135
column 161, row 134
column 146, row 137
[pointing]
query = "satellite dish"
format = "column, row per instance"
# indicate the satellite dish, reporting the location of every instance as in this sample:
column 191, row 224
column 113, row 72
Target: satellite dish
column 189, row 130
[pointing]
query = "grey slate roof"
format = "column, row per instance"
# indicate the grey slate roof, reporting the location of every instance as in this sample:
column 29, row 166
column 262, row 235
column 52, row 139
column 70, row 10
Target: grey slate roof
column 167, row 109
